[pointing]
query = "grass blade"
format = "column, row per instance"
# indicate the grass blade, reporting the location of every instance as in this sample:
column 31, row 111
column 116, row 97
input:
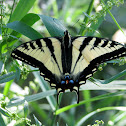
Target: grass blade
column 31, row 98
column 2, row 123
column 38, row 123
column 90, row 100
column 81, row 122
column 7, row 77
column 114, row 77
column 24, row 29
column 21, row 9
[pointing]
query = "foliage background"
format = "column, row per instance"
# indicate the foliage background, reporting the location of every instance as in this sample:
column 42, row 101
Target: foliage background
column 26, row 98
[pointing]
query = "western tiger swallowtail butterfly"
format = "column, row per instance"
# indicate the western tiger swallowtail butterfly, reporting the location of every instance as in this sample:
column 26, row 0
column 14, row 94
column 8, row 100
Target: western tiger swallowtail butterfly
column 67, row 62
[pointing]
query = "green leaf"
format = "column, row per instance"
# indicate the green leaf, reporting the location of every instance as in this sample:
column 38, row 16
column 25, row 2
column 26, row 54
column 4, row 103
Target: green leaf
column 7, row 87
column 38, row 123
column 90, row 100
column 21, row 9
column 30, row 19
column 97, row 85
column 17, row 73
column 53, row 25
column 82, row 120
column 2, row 123
column 25, row 109
column 7, row 77
column 45, row 87
column 0, row 31
column 114, row 77
column 87, row 15
column 24, row 29
column 1, row 66
column 88, row 86
column 4, row 112
column 31, row 98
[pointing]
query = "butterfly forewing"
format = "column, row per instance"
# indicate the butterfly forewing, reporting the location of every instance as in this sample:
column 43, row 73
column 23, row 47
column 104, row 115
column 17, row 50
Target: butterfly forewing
column 95, row 51
column 42, row 53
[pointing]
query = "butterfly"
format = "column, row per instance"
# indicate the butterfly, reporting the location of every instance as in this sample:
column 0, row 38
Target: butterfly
column 67, row 62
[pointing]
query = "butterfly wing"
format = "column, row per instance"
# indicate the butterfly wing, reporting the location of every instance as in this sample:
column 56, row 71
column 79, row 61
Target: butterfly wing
column 42, row 53
column 92, row 51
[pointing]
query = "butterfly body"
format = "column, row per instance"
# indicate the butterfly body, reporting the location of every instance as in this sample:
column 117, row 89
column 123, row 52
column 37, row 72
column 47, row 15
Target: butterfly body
column 67, row 62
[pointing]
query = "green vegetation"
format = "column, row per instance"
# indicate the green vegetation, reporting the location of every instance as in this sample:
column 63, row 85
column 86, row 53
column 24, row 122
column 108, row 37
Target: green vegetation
column 25, row 98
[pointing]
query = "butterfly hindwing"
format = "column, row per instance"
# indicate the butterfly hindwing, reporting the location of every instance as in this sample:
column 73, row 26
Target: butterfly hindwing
column 93, row 51
column 42, row 53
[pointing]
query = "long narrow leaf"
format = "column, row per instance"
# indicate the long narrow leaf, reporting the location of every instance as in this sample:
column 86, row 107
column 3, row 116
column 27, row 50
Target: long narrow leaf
column 114, row 77
column 86, row 17
column 82, row 121
column 24, row 29
column 26, row 109
column 7, row 87
column 1, row 66
column 4, row 112
column 89, row 86
column 53, row 25
column 2, row 123
column 21, row 9
column 92, row 99
column 45, row 87
column 28, row 19
column 0, row 32
column 7, row 77
column 31, row 98
column 38, row 123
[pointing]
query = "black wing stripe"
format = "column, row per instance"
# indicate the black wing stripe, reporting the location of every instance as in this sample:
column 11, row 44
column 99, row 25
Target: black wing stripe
column 35, row 63
column 88, row 71
column 97, row 41
column 51, row 48
column 32, row 45
column 85, row 42
column 38, row 42
column 105, row 43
